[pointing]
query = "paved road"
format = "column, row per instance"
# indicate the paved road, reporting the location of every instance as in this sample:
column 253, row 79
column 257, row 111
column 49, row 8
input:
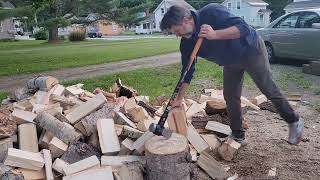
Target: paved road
column 9, row 83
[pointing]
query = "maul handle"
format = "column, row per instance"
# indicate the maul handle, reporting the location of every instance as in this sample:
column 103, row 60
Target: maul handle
column 193, row 56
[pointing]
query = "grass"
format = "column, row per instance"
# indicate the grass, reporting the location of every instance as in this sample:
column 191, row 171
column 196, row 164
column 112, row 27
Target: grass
column 297, row 79
column 25, row 57
column 154, row 82
column 3, row 95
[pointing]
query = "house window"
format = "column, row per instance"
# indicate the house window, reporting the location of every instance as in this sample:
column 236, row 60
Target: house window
column 162, row 10
column 238, row 4
column 229, row 5
column 261, row 17
column 144, row 26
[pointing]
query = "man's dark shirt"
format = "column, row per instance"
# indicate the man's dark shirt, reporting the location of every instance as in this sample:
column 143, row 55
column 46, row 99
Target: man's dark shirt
column 222, row 52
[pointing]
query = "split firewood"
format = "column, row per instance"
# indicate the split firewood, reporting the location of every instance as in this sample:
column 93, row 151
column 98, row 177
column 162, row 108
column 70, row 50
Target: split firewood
column 123, row 90
column 228, row 149
column 110, row 96
column 28, row 140
column 211, row 166
column 259, row 99
column 7, row 125
column 147, row 107
column 43, row 83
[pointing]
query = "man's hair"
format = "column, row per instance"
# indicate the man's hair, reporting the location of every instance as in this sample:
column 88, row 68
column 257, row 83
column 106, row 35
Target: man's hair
column 173, row 17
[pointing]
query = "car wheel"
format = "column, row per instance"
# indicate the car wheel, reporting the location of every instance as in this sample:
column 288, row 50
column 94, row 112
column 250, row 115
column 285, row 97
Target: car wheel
column 271, row 57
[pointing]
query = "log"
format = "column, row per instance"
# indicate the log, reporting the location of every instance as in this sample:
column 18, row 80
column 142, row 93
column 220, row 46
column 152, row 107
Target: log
column 86, row 108
column 28, row 140
column 120, row 160
column 139, row 144
column 90, row 162
column 131, row 172
column 228, row 149
column 43, row 83
column 193, row 109
column 168, row 158
column 32, row 174
column 177, row 121
column 126, row 147
column 44, row 139
column 147, row 107
column 259, row 99
column 248, row 103
column 218, row 127
column 59, row 90
column 217, row 106
column 108, row 138
column 120, row 118
column 8, row 126
column 61, row 130
column 130, row 132
column 137, row 114
column 58, row 165
column 21, row 116
column 48, row 164
column 89, row 122
column 195, row 139
column 24, row 159
column 4, row 145
column 57, row 147
column 103, row 173
column 144, row 125
column 78, row 151
column 212, row 141
column 211, row 166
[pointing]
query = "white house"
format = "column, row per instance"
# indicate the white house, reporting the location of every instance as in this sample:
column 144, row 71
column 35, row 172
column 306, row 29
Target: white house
column 7, row 29
column 254, row 12
column 152, row 22
column 301, row 5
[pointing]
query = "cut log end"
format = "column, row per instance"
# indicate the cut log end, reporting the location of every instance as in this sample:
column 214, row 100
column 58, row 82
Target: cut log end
column 162, row 146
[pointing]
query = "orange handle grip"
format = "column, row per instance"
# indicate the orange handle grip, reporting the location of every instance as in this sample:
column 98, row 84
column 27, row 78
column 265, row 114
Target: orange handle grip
column 195, row 51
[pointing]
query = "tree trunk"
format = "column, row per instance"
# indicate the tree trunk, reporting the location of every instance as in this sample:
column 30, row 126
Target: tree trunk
column 53, row 34
column 168, row 158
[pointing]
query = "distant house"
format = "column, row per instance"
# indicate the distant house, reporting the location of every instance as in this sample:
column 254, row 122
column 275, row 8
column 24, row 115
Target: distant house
column 7, row 29
column 254, row 12
column 152, row 21
column 297, row 5
column 104, row 27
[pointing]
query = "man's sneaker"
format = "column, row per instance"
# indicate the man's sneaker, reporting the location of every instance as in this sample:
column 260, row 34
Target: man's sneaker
column 241, row 141
column 296, row 132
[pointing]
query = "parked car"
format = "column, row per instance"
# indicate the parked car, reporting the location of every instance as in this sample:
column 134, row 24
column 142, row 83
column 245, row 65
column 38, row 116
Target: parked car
column 295, row 35
column 94, row 34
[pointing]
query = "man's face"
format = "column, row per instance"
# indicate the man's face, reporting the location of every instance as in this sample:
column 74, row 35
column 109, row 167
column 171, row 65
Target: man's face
column 186, row 29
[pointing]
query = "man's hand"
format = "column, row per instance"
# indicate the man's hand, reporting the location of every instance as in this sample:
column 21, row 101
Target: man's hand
column 207, row 32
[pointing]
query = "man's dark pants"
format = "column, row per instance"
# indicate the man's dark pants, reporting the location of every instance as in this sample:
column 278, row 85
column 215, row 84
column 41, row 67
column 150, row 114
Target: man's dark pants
column 258, row 68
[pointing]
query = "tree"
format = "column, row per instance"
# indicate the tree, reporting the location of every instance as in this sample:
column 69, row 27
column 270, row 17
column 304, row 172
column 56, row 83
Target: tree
column 276, row 6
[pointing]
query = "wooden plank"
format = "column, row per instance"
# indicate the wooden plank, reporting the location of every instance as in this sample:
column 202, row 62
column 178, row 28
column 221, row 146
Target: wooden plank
column 120, row 118
column 48, row 164
column 108, row 138
column 28, row 140
column 103, row 173
column 57, row 147
column 32, row 174
column 44, row 139
column 131, row 132
column 211, row 140
column 248, row 103
column 177, row 121
column 59, row 165
column 59, row 90
column 137, row 114
column 195, row 139
column 120, row 160
column 218, row 127
column 86, row 108
column 21, row 116
column 90, row 162
column 24, row 159
column 259, row 99
column 138, row 145
column 211, row 166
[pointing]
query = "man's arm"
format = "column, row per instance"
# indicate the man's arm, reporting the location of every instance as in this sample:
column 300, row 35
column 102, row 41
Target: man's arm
column 229, row 33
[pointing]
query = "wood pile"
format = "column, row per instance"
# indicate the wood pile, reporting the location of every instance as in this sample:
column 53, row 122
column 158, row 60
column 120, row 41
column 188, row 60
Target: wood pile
column 54, row 132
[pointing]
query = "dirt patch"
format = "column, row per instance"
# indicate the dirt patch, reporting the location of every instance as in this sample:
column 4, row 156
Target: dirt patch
column 267, row 134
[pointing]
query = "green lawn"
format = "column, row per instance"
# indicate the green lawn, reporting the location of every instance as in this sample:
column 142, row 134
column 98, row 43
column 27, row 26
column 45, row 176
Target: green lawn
column 24, row 57
column 154, row 82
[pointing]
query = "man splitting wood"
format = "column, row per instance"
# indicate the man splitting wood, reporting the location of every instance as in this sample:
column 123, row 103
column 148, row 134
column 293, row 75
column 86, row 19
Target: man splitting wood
column 233, row 44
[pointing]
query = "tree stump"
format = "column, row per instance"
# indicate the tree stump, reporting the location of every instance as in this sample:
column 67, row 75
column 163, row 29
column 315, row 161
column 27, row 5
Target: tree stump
column 168, row 159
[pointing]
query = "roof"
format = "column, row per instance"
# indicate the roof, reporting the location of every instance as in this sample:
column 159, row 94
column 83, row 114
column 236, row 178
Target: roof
column 175, row 2
column 311, row 4
column 148, row 19
column 254, row 2
column 265, row 11
column 6, row 5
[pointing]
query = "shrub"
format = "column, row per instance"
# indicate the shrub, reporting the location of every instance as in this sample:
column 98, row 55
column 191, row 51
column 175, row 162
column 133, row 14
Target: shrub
column 77, row 36
column 41, row 35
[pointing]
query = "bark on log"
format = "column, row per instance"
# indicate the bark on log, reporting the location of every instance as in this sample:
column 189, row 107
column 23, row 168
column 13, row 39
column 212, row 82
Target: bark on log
column 168, row 158
column 61, row 130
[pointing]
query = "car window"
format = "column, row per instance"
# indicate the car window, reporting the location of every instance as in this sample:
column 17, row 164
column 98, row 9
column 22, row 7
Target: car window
column 307, row 19
column 289, row 21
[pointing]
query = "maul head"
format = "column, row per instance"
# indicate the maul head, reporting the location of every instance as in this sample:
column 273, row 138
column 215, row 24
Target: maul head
column 160, row 130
